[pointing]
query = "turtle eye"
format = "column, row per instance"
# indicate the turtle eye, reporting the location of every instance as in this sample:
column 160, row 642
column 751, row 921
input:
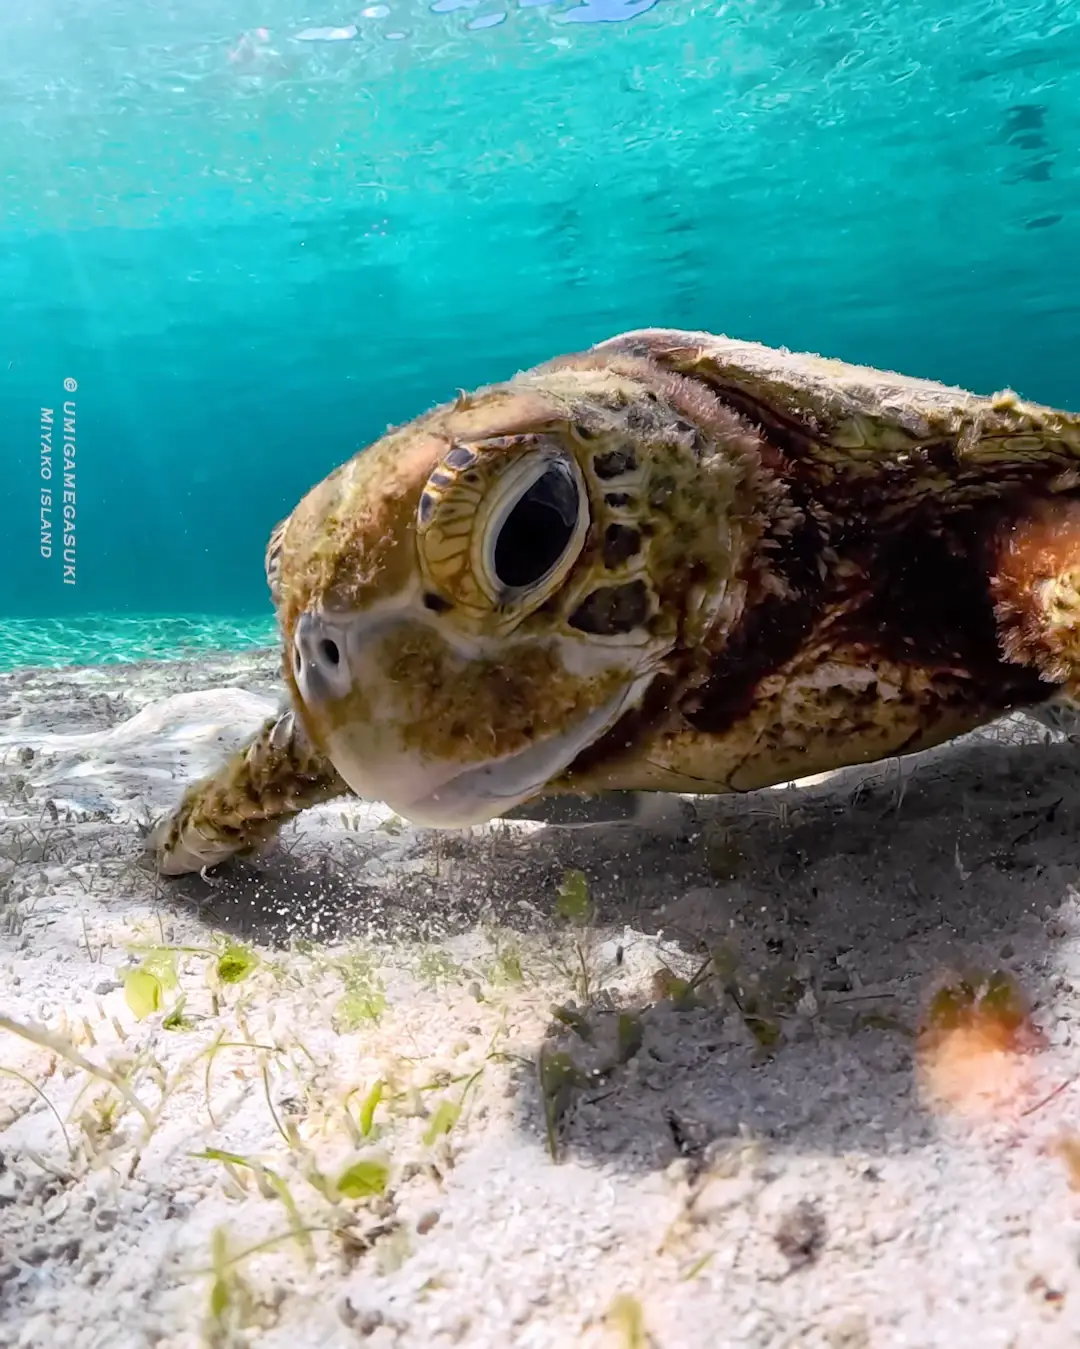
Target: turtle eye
column 499, row 533
column 533, row 535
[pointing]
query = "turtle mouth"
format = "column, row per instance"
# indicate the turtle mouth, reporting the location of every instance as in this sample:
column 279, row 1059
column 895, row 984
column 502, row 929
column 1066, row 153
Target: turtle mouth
column 406, row 719
column 486, row 791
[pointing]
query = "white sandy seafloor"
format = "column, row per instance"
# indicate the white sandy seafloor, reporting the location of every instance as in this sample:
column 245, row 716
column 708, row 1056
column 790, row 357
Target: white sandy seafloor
column 834, row 1189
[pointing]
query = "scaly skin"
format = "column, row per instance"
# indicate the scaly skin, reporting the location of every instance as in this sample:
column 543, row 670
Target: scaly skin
column 765, row 565
column 270, row 780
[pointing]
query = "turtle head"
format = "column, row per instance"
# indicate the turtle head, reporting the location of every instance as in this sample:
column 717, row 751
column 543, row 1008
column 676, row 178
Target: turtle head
column 479, row 597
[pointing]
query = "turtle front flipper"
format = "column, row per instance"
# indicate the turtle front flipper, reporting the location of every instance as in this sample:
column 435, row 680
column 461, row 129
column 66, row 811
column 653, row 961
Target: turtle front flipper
column 277, row 774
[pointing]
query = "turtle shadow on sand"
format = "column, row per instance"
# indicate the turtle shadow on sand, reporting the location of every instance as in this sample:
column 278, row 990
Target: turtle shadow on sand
column 857, row 892
column 838, row 912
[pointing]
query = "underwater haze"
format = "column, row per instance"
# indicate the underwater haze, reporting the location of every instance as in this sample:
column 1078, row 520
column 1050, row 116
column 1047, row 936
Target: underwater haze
column 250, row 234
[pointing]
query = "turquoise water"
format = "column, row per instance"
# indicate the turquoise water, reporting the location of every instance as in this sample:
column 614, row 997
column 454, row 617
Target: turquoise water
column 252, row 249
column 111, row 639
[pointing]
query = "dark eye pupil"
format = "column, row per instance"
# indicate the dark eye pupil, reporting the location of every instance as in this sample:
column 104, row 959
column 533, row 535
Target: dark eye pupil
column 538, row 530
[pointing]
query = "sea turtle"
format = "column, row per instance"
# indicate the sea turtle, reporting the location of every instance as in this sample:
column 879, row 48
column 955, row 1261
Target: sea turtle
column 675, row 562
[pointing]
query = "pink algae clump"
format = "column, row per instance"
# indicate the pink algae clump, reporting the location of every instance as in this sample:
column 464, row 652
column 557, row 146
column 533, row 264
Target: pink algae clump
column 975, row 1047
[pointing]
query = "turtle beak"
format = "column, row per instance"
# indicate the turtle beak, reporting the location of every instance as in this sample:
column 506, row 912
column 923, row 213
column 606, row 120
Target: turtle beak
column 391, row 737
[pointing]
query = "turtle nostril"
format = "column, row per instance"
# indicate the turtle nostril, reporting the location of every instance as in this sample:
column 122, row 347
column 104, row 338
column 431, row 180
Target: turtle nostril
column 298, row 660
column 322, row 668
